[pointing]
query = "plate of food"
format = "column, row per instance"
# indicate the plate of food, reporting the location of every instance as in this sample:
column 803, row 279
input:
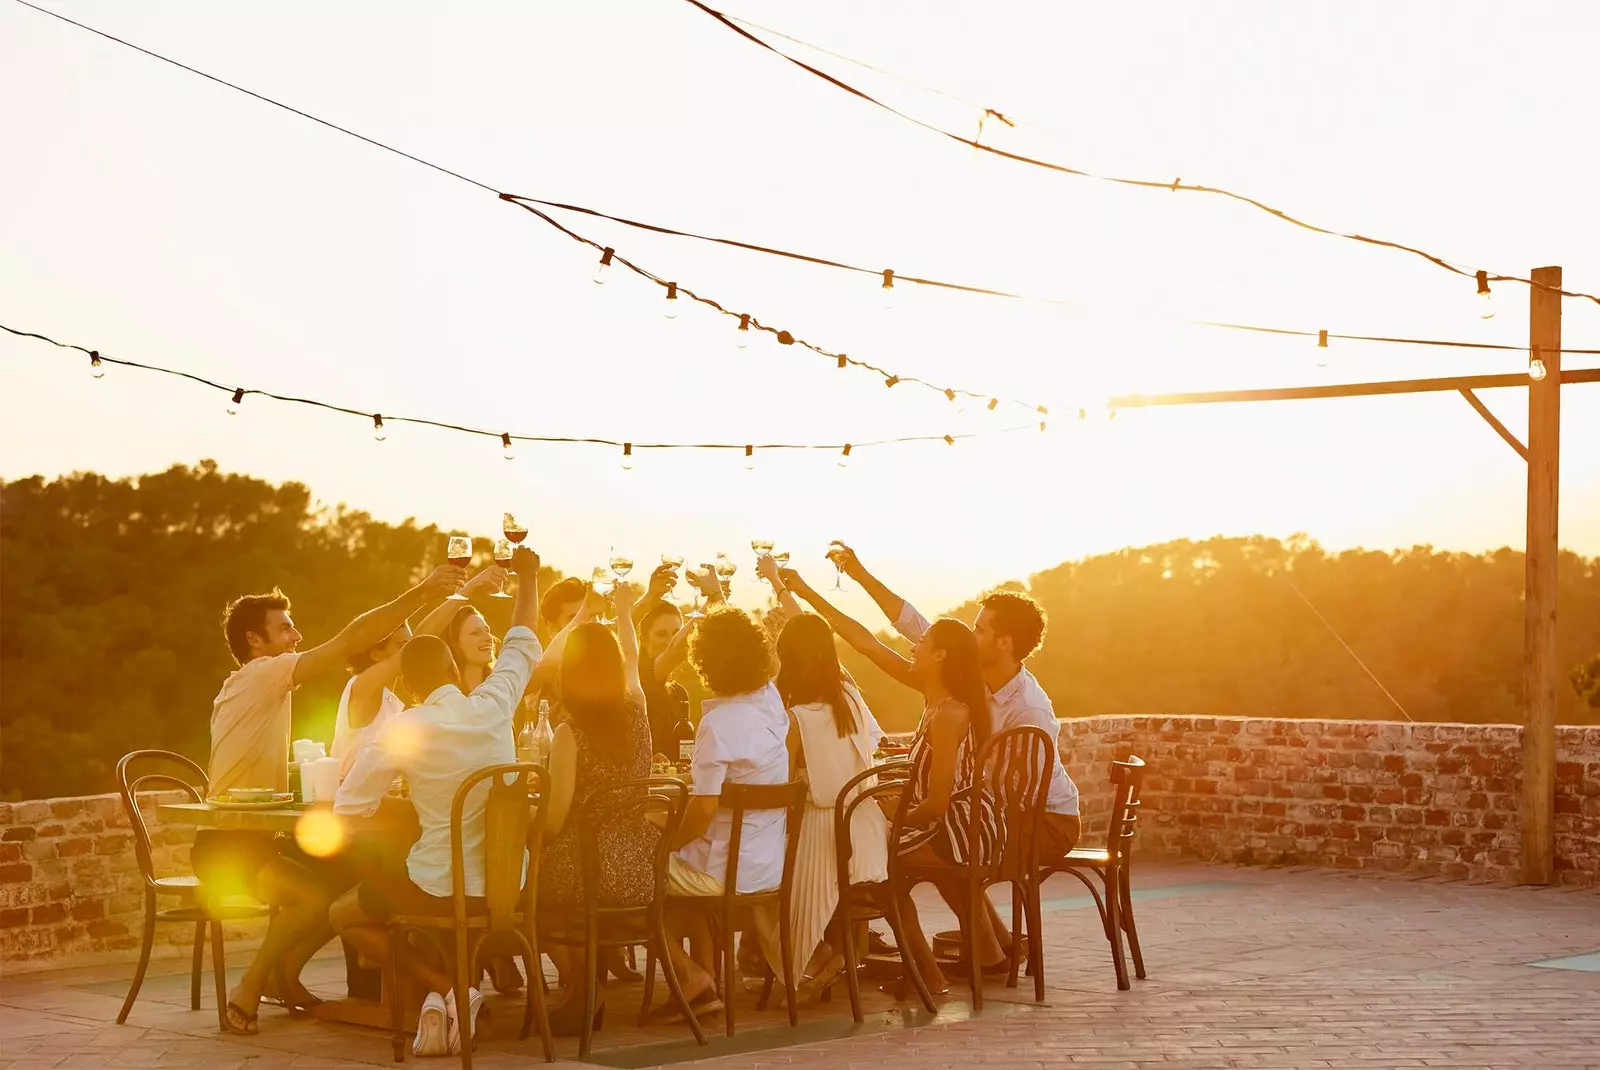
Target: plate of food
column 251, row 799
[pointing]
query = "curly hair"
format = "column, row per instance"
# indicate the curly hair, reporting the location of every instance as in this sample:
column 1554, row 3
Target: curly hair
column 731, row 653
column 1018, row 617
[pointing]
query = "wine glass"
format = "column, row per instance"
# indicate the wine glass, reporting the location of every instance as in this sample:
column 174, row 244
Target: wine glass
column 782, row 558
column 836, row 552
column 673, row 561
column 621, row 564
column 762, row 547
column 503, row 552
column 603, row 583
column 459, row 553
column 513, row 529
column 695, row 612
column 725, row 570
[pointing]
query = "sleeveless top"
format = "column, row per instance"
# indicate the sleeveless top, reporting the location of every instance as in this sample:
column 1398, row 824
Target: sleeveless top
column 950, row 834
column 348, row 742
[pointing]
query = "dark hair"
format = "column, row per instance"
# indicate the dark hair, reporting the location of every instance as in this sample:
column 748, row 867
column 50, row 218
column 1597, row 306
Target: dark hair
column 248, row 613
column 452, row 634
column 593, row 689
column 808, row 670
column 425, row 664
column 362, row 660
column 730, row 652
column 961, row 672
column 1019, row 618
column 563, row 593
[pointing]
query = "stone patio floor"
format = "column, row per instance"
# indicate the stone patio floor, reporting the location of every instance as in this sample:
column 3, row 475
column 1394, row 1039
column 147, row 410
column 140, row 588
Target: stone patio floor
column 1248, row 968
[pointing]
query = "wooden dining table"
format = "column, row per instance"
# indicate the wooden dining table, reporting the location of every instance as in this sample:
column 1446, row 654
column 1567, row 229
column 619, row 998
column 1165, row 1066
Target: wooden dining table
column 394, row 825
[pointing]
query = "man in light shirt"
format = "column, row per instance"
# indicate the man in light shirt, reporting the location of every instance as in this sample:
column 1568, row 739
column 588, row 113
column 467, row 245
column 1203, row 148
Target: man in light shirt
column 1009, row 628
column 435, row 745
column 742, row 738
column 250, row 727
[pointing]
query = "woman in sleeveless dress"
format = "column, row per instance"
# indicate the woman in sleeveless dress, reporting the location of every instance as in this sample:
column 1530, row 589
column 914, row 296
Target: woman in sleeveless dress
column 604, row 743
column 837, row 736
column 944, row 668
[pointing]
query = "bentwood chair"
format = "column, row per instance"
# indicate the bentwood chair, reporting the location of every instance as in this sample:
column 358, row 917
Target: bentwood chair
column 513, row 819
column 1113, row 865
column 599, row 927
column 1010, row 786
column 862, row 903
column 732, row 910
column 193, row 907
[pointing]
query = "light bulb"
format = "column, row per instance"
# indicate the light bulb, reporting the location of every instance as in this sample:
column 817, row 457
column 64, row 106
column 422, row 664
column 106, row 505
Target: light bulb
column 507, row 449
column 1536, row 370
column 378, row 433
column 96, row 369
column 233, row 405
column 749, row 458
column 672, row 301
column 627, row 456
column 603, row 270
column 742, row 337
column 888, row 289
column 1485, row 298
column 844, row 456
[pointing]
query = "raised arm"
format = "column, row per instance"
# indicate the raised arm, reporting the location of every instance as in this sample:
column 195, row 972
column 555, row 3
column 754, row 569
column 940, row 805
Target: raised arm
column 550, row 664
column 629, row 642
column 767, row 569
column 668, row 660
column 851, row 631
column 370, row 629
column 662, row 580
column 439, row 618
column 503, row 688
column 890, row 603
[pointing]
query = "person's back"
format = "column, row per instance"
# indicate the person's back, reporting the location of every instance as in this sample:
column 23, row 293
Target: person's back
column 742, row 739
column 831, row 760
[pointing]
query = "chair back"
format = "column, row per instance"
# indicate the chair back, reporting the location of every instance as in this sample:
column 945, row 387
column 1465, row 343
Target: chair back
column 888, row 781
column 513, row 822
column 131, row 780
column 743, row 798
column 1127, row 776
column 1012, row 774
column 631, row 800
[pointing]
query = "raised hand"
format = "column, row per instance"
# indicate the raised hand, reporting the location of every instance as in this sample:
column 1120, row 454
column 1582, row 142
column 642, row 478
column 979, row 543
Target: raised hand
column 767, row 569
column 491, row 578
column 847, row 561
column 445, row 580
column 662, row 580
column 791, row 579
column 525, row 562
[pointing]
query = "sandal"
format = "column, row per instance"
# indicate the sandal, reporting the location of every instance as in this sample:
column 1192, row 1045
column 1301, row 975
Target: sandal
column 707, row 1004
column 237, row 1021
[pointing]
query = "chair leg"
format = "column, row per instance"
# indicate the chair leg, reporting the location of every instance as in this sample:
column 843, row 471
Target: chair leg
column 1127, row 922
column 1035, row 939
column 219, row 970
column 670, row 973
column 730, row 976
column 786, row 953
column 148, row 941
column 908, row 965
column 847, row 930
column 197, row 970
column 467, row 972
column 537, row 990
column 1114, row 926
column 969, row 942
column 592, row 971
column 649, row 983
column 1016, row 936
column 392, row 971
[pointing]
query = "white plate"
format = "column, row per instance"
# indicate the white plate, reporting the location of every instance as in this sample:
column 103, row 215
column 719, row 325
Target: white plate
column 269, row 804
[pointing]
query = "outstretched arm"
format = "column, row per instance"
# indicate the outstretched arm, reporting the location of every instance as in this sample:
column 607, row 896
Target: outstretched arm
column 853, row 632
column 767, row 569
column 374, row 625
column 890, row 603
column 439, row 618
column 629, row 642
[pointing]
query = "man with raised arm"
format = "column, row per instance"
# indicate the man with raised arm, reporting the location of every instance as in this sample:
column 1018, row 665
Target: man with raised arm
column 250, row 727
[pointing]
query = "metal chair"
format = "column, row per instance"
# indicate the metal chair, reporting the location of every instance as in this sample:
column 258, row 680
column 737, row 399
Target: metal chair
column 194, row 907
column 1113, row 864
column 859, row 903
column 1012, row 776
column 513, row 821
column 599, row 927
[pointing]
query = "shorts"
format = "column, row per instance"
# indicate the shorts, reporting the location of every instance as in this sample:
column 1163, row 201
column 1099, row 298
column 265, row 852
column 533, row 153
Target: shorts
column 228, row 861
column 386, row 893
column 684, row 879
column 1058, row 834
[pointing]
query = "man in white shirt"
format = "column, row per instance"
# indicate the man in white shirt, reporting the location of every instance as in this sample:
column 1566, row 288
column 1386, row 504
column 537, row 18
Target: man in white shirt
column 435, row 745
column 250, row 724
column 742, row 738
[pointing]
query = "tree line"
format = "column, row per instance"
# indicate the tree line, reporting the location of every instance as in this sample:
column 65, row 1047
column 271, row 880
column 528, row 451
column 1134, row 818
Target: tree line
column 112, row 592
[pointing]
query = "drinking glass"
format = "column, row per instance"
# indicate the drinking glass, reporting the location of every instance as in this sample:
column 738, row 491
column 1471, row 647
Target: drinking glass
column 673, row 561
column 782, row 558
column 459, row 553
column 762, row 547
column 513, row 529
column 503, row 552
column 836, row 555
column 621, row 564
column 603, row 583
column 725, row 570
column 695, row 612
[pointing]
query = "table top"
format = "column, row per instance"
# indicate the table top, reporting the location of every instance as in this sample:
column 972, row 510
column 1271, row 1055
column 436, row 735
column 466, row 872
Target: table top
column 277, row 819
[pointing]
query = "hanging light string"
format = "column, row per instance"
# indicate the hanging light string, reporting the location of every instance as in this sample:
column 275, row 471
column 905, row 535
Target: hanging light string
column 1176, row 185
column 822, row 261
column 381, row 421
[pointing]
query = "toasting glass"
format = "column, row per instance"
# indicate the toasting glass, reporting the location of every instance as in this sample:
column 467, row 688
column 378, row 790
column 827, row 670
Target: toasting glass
column 459, row 553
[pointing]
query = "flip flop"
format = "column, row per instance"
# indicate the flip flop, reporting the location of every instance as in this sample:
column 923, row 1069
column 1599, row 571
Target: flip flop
column 705, row 1005
column 246, row 1026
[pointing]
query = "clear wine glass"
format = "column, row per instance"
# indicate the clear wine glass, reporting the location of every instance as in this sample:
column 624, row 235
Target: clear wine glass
column 695, row 610
column 762, row 547
column 459, row 553
column 513, row 529
column 673, row 561
column 725, row 570
column 604, row 583
column 782, row 558
column 621, row 564
column 836, row 552
column 503, row 552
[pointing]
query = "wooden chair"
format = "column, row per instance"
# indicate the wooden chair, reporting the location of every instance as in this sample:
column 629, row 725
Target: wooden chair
column 513, row 821
column 1012, row 774
column 732, row 910
column 598, row 927
column 860, row 903
column 193, row 907
column 1113, row 865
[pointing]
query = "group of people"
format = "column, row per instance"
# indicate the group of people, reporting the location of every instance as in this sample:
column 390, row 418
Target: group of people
column 433, row 707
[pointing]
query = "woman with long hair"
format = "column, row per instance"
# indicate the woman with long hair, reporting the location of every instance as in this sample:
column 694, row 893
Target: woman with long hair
column 837, row 736
column 604, row 742
column 944, row 667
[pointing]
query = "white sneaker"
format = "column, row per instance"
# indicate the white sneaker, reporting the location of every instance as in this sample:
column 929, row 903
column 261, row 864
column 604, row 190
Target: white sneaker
column 474, row 1005
column 433, row 1027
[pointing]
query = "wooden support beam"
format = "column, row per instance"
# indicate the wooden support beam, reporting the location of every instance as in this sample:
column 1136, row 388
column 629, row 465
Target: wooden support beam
column 1356, row 390
column 1540, row 673
column 1494, row 421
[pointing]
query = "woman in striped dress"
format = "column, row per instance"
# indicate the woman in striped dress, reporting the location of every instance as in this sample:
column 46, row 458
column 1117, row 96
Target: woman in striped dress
column 944, row 668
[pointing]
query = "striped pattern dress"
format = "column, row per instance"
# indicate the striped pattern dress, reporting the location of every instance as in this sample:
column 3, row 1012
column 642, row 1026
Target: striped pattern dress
column 949, row 835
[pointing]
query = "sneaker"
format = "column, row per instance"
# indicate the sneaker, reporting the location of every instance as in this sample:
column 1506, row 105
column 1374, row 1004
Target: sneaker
column 433, row 1026
column 474, row 1005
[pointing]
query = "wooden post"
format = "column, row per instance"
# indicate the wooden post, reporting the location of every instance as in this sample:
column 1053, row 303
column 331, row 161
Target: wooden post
column 1540, row 673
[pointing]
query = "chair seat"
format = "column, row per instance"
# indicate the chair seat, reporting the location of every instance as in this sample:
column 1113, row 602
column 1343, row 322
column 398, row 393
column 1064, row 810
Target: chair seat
column 616, row 930
column 477, row 918
column 177, row 885
column 1087, row 856
column 226, row 912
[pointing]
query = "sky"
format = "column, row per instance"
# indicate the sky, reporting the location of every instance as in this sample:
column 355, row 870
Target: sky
column 159, row 217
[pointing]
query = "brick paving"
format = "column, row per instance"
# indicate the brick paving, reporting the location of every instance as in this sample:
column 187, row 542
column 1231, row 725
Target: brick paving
column 1248, row 968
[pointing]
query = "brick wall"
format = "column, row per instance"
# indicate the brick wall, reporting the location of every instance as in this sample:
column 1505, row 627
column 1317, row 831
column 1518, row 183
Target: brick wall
column 1436, row 799
column 70, row 889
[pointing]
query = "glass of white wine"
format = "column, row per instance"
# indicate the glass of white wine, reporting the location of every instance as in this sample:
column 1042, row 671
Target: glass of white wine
column 459, row 553
column 782, row 558
column 725, row 570
column 762, row 547
column 503, row 552
column 836, row 552
column 621, row 563
column 603, row 582
column 674, row 562
column 695, row 611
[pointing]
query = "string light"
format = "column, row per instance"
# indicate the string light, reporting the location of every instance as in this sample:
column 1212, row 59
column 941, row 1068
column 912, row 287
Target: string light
column 888, row 288
column 742, row 339
column 844, row 456
column 1485, row 298
column 603, row 269
column 238, row 398
column 1536, row 368
column 749, row 458
column 627, row 456
column 378, row 433
column 98, row 370
column 507, row 449
column 672, row 301
column 1322, row 343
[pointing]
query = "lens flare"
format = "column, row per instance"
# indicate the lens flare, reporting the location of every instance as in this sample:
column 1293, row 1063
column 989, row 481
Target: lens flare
column 321, row 833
